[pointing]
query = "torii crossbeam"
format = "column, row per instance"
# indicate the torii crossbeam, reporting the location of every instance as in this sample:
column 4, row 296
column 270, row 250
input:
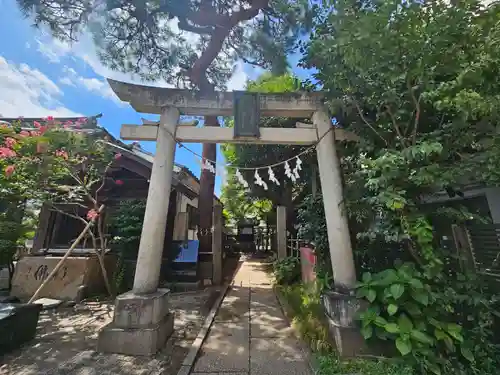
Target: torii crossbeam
column 171, row 103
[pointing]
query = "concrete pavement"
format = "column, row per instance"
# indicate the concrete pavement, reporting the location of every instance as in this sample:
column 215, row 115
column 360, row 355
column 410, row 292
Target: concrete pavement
column 250, row 335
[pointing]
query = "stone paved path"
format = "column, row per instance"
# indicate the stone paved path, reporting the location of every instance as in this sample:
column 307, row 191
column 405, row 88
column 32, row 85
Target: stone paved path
column 250, row 335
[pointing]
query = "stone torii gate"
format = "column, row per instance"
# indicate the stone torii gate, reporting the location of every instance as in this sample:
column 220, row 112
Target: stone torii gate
column 142, row 321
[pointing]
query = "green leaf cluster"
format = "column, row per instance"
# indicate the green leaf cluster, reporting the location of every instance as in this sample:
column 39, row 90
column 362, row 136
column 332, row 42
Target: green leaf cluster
column 287, row 271
column 418, row 316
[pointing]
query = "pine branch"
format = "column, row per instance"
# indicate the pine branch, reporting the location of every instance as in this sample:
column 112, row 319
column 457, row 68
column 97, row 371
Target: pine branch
column 197, row 73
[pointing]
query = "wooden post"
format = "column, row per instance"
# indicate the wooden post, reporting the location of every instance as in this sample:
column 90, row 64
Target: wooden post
column 147, row 273
column 464, row 248
column 217, row 245
column 341, row 255
column 281, row 232
column 181, row 227
column 42, row 229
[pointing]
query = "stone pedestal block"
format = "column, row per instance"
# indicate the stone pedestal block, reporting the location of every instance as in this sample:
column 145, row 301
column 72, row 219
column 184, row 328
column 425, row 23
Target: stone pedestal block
column 139, row 310
column 142, row 341
column 341, row 310
column 141, row 324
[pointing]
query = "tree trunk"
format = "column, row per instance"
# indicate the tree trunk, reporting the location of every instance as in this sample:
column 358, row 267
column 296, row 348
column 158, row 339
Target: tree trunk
column 100, row 259
column 11, row 274
column 206, row 196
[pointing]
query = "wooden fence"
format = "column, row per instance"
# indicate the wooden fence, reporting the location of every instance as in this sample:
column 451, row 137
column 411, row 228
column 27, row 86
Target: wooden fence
column 484, row 242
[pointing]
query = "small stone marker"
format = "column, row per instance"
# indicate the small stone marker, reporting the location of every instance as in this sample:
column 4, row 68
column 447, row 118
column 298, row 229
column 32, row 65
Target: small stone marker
column 48, row 303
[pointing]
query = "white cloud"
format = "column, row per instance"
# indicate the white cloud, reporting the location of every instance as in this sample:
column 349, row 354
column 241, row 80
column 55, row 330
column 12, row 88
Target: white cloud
column 84, row 49
column 53, row 49
column 66, row 81
column 238, row 79
column 96, row 86
column 99, row 87
column 28, row 92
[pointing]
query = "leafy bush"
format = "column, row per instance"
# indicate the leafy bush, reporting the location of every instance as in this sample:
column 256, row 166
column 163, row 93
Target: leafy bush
column 308, row 316
column 11, row 232
column 309, row 321
column 126, row 227
column 332, row 365
column 287, row 271
column 425, row 317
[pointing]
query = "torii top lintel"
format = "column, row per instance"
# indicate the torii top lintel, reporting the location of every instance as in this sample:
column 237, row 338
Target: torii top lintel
column 148, row 99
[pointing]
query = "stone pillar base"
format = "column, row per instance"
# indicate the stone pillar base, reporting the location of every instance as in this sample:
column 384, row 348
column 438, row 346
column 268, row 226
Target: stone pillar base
column 141, row 324
column 135, row 341
column 340, row 310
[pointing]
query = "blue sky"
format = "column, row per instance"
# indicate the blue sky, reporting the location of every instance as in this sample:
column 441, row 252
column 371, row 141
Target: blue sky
column 41, row 76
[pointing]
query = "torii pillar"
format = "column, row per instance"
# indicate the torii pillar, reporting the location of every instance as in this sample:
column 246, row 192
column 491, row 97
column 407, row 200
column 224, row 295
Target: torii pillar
column 142, row 321
column 333, row 201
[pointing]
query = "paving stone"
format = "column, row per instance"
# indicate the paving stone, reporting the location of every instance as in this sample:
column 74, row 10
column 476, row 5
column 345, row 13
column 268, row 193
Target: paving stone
column 225, row 349
column 235, row 306
column 277, row 356
column 264, row 344
column 283, row 349
column 264, row 300
column 269, row 325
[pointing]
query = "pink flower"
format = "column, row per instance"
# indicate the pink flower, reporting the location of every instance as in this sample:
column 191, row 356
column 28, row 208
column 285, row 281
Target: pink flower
column 67, row 124
column 24, row 133
column 82, row 119
column 119, row 182
column 10, row 142
column 35, row 134
column 9, row 170
column 37, row 125
column 92, row 214
column 62, row 154
column 118, row 156
column 50, row 118
column 6, row 153
column 43, row 129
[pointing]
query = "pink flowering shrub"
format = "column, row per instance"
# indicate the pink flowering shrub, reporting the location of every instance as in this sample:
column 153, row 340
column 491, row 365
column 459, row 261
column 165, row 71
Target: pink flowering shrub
column 56, row 162
column 92, row 214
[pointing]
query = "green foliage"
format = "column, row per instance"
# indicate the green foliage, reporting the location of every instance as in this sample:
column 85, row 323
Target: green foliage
column 287, row 271
column 312, row 229
column 309, row 322
column 241, row 202
column 421, row 97
column 308, row 317
column 239, row 205
column 11, row 232
column 126, row 227
column 424, row 319
column 331, row 364
column 415, row 82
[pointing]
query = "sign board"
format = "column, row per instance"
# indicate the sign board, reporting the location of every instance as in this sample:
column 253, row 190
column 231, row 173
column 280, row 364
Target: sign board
column 188, row 251
column 246, row 114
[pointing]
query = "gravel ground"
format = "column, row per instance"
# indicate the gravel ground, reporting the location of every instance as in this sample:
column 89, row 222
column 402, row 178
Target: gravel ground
column 66, row 339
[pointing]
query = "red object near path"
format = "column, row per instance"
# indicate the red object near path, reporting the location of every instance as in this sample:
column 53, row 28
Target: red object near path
column 308, row 264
